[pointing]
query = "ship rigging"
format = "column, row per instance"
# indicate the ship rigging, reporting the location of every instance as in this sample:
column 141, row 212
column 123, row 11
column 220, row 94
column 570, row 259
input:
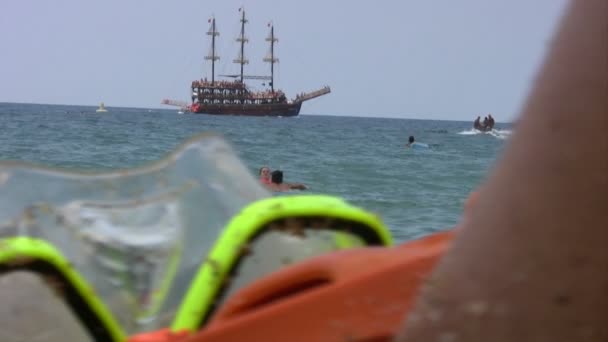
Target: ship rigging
column 234, row 96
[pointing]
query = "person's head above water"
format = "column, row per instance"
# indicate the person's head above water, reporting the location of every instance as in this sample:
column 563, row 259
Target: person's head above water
column 277, row 177
column 264, row 174
column 411, row 139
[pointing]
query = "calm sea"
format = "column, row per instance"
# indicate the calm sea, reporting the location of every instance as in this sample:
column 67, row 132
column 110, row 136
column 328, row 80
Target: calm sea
column 415, row 191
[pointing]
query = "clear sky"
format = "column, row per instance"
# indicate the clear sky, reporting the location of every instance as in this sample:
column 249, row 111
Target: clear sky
column 427, row 59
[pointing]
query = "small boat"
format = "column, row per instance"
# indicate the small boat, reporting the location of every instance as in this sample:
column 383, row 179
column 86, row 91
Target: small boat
column 102, row 108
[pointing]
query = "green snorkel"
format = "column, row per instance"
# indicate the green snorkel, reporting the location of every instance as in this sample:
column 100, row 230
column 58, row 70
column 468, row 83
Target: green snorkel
column 135, row 236
column 164, row 245
column 39, row 257
column 344, row 225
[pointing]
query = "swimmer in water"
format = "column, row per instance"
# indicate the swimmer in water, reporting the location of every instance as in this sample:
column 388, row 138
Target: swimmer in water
column 410, row 141
column 278, row 185
column 264, row 174
column 413, row 144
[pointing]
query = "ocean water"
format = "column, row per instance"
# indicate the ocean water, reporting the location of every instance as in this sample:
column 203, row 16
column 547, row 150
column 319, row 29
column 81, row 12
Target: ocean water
column 415, row 191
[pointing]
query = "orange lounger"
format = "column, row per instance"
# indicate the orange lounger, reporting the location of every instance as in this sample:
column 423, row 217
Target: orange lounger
column 353, row 295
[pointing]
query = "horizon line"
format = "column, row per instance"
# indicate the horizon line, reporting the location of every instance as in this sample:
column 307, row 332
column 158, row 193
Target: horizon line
column 382, row 116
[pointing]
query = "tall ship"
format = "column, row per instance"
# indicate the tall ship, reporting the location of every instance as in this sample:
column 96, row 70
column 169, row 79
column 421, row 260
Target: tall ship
column 232, row 96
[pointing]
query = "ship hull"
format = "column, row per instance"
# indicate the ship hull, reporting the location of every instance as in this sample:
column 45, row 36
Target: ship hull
column 276, row 109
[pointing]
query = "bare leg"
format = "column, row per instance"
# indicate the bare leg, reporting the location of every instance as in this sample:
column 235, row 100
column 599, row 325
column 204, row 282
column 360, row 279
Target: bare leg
column 531, row 263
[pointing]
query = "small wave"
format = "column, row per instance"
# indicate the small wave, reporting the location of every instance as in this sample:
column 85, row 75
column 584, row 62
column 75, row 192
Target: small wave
column 471, row 131
column 418, row 146
column 500, row 133
column 497, row 133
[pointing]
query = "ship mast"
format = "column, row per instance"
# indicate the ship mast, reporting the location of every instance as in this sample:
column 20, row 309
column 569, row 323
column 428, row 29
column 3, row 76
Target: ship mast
column 241, row 59
column 212, row 56
column 272, row 39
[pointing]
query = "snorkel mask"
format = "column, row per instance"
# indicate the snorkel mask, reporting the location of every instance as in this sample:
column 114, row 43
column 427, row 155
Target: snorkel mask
column 110, row 255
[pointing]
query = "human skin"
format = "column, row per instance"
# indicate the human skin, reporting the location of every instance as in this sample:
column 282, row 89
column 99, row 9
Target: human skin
column 530, row 261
